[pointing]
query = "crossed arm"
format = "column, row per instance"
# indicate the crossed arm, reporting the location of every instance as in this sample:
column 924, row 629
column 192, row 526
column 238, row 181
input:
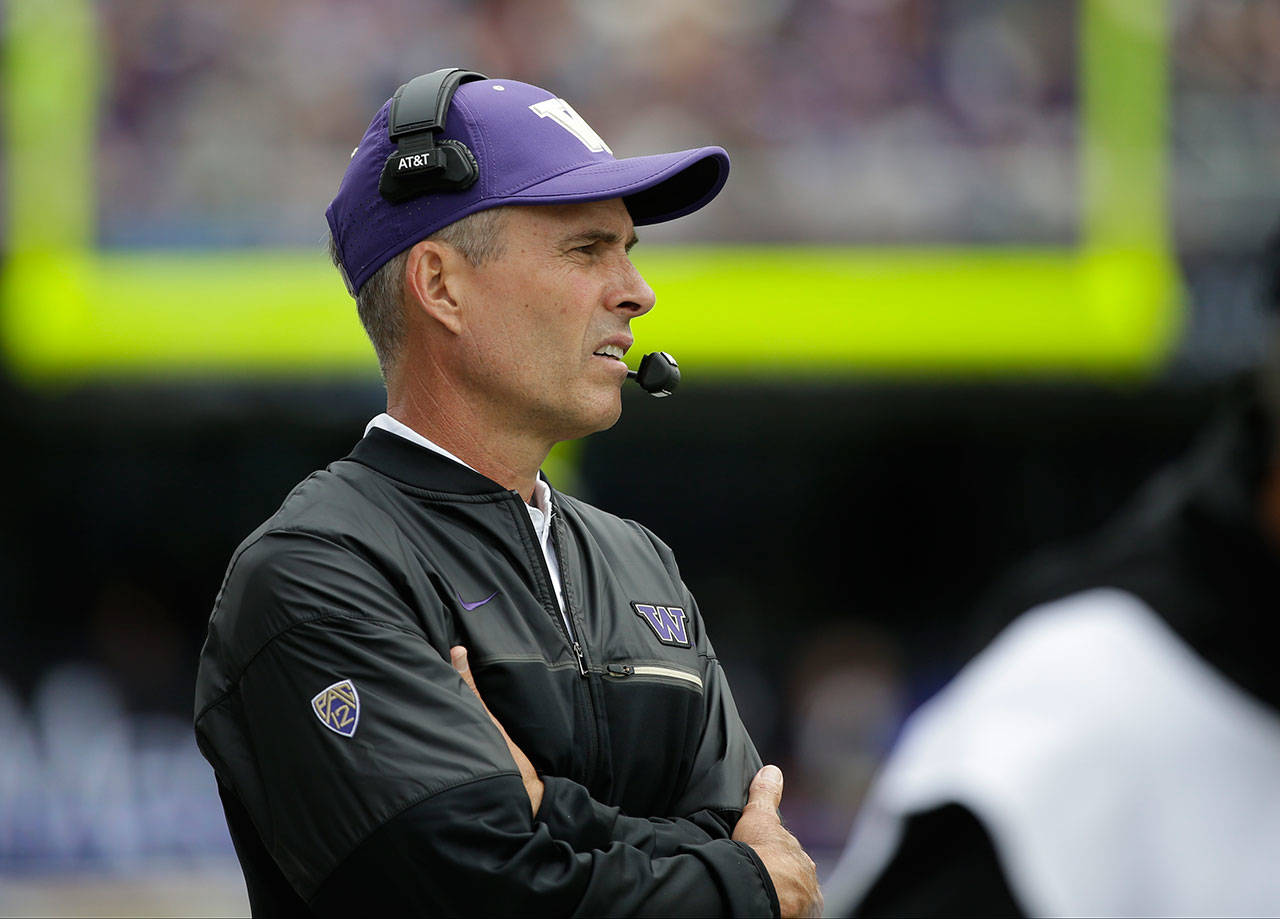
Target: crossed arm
column 791, row 870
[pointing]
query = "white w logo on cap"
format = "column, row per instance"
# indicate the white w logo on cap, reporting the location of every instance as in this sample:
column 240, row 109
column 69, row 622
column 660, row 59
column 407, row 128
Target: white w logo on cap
column 562, row 113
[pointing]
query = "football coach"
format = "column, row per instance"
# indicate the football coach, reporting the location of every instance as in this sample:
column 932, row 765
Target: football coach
column 433, row 684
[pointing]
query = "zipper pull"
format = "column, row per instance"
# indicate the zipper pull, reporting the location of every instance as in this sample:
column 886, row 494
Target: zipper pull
column 620, row 670
column 582, row 661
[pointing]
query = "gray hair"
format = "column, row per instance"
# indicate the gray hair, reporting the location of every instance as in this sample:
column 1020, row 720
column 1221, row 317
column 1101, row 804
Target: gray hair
column 380, row 300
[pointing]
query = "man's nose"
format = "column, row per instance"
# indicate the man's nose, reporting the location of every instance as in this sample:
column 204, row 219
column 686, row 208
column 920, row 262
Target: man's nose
column 635, row 296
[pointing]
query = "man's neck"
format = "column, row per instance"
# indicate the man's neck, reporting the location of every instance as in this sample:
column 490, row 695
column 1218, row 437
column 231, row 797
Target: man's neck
column 511, row 461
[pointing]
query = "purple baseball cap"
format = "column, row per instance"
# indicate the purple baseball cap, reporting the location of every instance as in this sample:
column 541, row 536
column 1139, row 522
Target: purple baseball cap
column 530, row 148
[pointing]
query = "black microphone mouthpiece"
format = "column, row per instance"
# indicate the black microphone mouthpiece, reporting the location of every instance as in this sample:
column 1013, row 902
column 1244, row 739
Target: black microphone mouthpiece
column 658, row 375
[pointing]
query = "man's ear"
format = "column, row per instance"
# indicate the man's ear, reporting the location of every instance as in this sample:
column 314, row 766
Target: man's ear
column 432, row 279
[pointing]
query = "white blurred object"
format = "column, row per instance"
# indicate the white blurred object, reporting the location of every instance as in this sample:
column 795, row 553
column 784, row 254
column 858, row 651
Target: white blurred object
column 1117, row 773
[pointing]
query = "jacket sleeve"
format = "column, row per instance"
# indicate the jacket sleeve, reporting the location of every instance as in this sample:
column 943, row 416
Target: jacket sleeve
column 408, row 801
column 571, row 814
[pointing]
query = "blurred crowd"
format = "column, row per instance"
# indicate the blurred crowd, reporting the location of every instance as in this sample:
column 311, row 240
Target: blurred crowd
column 871, row 120
column 875, row 121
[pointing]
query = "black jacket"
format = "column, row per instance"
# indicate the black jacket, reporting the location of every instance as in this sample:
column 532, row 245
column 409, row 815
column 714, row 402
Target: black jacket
column 357, row 770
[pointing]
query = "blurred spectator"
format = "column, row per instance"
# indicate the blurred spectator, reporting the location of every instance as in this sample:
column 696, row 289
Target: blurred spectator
column 140, row 643
column 1115, row 751
column 1225, row 133
column 846, row 697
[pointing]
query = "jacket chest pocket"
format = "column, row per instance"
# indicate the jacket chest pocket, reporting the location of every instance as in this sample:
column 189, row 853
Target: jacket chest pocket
column 656, row 714
column 655, row 671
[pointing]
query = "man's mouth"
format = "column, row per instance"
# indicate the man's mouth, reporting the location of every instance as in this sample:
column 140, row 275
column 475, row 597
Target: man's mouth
column 612, row 351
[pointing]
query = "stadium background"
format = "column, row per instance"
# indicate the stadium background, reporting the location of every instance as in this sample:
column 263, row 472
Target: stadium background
column 981, row 265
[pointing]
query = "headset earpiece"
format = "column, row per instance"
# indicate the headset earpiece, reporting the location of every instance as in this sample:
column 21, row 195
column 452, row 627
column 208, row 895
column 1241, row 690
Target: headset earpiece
column 421, row 164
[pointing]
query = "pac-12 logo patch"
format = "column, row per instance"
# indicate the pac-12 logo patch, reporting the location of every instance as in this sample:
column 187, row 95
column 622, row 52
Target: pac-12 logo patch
column 667, row 622
column 338, row 707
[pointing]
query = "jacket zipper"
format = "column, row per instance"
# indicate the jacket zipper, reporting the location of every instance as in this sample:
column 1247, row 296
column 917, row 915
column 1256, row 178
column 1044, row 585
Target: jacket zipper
column 562, row 616
column 567, row 612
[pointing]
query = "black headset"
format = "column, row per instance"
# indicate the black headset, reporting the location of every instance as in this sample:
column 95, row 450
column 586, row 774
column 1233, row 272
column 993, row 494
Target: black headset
column 421, row 163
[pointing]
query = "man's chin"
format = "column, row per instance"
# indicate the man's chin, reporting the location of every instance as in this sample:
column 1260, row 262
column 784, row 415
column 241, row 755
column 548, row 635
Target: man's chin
column 599, row 419
column 604, row 422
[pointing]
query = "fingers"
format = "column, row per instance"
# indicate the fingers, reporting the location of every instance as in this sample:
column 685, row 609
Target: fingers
column 765, row 791
column 458, row 657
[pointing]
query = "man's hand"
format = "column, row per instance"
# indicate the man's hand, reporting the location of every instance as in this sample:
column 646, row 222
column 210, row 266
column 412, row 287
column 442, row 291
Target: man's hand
column 532, row 784
column 794, row 875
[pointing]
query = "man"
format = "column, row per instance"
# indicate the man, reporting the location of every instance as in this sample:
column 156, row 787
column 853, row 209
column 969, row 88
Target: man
column 484, row 229
column 1115, row 751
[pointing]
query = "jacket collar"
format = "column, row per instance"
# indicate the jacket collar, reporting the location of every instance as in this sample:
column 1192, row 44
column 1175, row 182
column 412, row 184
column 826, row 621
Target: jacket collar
column 407, row 462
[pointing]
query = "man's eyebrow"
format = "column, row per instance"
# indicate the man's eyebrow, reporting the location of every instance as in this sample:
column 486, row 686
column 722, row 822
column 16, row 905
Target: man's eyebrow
column 600, row 236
